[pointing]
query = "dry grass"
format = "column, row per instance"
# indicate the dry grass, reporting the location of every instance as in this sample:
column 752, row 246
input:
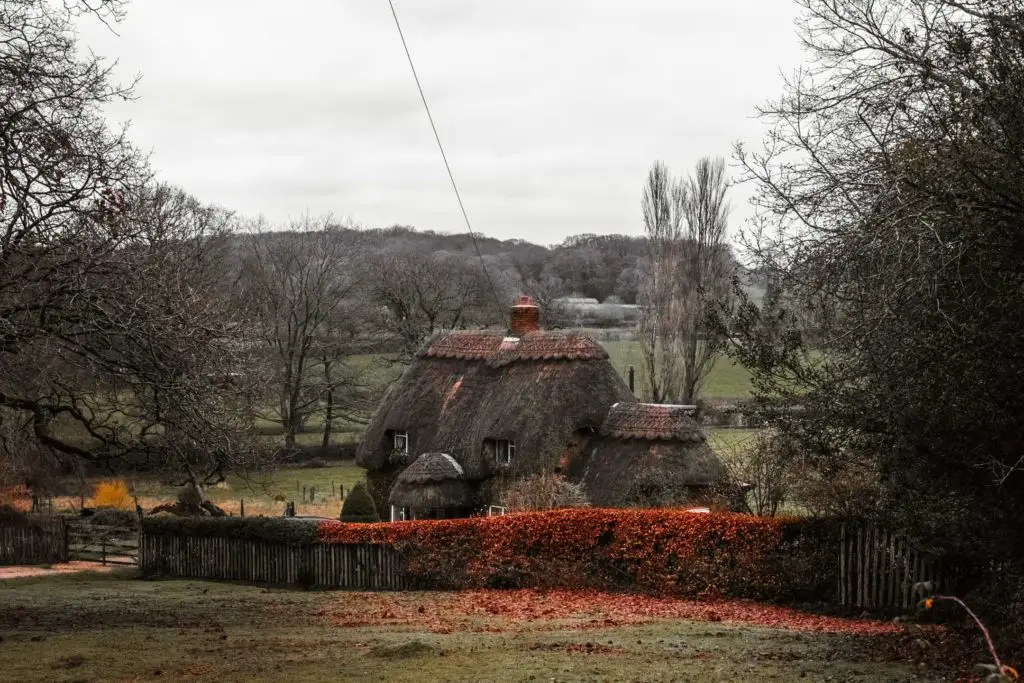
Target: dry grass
column 263, row 495
column 90, row 627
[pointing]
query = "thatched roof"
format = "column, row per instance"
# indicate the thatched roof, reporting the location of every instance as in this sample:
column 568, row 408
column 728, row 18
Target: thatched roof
column 431, row 467
column 432, row 481
column 643, row 444
column 652, row 421
column 466, row 387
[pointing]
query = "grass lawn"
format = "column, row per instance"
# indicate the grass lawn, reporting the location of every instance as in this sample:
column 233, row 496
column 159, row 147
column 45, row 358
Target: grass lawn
column 111, row 627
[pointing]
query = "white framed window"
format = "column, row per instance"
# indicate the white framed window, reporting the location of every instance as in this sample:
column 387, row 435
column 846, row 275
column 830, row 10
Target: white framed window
column 400, row 514
column 496, row 510
column 501, row 450
column 400, row 440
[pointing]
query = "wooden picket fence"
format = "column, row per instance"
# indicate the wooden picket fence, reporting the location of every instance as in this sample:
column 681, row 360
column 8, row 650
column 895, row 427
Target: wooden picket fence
column 43, row 540
column 350, row 566
column 879, row 569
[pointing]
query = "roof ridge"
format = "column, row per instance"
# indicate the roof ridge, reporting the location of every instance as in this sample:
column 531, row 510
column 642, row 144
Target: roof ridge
column 498, row 348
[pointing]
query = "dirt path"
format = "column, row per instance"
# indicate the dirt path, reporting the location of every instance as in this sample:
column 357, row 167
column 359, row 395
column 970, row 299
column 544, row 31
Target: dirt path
column 21, row 572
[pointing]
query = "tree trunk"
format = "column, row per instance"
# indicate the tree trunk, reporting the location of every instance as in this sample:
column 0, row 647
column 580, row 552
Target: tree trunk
column 288, row 423
column 328, row 407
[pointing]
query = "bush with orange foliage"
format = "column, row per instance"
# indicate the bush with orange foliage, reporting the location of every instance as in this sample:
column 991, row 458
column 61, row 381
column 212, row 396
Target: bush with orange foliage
column 112, row 494
column 664, row 551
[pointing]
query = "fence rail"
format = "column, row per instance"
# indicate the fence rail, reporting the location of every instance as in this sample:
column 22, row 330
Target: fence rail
column 42, row 540
column 115, row 545
column 351, row 566
column 878, row 569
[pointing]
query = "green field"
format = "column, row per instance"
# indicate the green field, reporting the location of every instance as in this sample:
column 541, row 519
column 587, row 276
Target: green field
column 112, row 627
column 727, row 379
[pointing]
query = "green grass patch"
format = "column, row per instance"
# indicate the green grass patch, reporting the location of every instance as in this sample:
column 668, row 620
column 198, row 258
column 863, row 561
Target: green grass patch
column 112, row 628
column 284, row 481
column 727, row 379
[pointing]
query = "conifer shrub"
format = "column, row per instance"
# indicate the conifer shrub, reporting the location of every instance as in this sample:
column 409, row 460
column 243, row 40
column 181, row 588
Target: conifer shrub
column 359, row 506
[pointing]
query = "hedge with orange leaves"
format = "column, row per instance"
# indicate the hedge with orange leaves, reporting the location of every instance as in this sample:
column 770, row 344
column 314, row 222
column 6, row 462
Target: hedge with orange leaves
column 663, row 551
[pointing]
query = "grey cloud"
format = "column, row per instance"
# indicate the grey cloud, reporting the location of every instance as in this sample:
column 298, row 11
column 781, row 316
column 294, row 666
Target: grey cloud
column 550, row 110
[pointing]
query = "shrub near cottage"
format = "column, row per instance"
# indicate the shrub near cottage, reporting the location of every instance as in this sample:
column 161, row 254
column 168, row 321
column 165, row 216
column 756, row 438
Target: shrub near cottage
column 664, row 551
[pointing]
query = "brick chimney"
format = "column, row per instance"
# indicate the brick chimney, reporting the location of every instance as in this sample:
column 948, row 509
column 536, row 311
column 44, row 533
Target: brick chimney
column 525, row 317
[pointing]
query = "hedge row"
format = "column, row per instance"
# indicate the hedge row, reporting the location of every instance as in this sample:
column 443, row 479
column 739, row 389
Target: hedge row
column 13, row 517
column 291, row 531
column 663, row 551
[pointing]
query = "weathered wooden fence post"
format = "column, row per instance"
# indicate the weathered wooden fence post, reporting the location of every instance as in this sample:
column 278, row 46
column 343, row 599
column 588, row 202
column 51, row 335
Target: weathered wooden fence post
column 241, row 507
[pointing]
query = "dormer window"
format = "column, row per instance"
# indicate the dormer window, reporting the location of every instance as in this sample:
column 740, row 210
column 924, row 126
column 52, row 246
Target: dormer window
column 501, row 451
column 400, row 440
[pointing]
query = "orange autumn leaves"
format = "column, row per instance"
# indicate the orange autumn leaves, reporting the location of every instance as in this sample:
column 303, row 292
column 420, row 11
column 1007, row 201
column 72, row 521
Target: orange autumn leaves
column 561, row 610
column 668, row 551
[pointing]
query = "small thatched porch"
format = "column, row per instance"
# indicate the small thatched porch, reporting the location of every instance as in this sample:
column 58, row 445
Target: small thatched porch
column 652, row 455
column 433, row 487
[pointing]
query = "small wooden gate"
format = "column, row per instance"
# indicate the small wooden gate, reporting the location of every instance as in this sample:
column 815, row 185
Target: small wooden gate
column 878, row 569
column 103, row 544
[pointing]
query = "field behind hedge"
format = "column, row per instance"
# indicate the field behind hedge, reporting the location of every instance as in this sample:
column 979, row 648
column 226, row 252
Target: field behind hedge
column 264, row 493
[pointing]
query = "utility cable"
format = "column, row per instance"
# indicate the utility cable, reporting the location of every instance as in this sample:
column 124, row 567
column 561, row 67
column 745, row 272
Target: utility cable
column 451, row 177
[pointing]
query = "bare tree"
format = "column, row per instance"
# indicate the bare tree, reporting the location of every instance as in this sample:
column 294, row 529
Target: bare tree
column 114, row 342
column 685, row 273
column 660, row 325
column 544, row 491
column 418, row 294
column 347, row 390
column 705, row 272
column 765, row 468
column 302, row 284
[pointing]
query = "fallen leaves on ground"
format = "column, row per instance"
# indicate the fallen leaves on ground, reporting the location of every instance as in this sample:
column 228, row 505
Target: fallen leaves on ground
column 494, row 610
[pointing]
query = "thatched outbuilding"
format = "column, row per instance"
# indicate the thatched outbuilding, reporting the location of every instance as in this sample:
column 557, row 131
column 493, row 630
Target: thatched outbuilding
column 494, row 406
column 434, row 485
column 652, row 455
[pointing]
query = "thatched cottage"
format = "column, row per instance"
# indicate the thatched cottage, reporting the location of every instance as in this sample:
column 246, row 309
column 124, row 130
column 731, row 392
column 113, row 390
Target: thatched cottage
column 477, row 409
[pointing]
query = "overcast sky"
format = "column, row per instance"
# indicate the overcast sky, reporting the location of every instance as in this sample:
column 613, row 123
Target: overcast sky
column 550, row 111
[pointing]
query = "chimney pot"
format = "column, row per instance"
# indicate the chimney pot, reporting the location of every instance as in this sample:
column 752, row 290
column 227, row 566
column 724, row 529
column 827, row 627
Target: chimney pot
column 525, row 317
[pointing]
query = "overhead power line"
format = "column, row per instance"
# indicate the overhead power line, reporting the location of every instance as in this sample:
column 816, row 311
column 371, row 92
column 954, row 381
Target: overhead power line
column 483, row 266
